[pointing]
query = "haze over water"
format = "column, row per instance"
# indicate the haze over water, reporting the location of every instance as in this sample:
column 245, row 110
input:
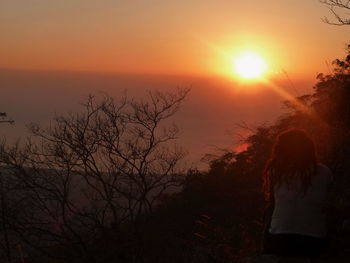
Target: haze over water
column 206, row 120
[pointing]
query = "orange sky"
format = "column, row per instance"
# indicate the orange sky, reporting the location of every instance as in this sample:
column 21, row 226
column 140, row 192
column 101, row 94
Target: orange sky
column 172, row 37
column 188, row 41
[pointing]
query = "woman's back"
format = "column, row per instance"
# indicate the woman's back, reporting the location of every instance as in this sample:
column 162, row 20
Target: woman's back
column 301, row 212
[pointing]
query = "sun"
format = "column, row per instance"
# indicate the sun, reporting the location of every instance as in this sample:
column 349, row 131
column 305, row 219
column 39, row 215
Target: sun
column 249, row 66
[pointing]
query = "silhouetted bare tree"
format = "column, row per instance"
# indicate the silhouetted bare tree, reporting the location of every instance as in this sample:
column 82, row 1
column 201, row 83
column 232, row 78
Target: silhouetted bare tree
column 5, row 244
column 89, row 173
column 337, row 7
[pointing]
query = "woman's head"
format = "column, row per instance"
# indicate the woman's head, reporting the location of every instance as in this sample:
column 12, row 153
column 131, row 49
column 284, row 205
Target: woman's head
column 294, row 147
column 293, row 156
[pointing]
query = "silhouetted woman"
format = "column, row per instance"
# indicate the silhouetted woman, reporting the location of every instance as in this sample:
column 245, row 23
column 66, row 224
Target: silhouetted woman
column 296, row 186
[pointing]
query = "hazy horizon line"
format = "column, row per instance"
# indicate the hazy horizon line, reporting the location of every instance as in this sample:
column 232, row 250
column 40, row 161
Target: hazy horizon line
column 146, row 74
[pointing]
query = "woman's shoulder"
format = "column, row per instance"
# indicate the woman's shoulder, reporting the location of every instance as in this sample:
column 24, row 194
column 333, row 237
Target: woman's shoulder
column 323, row 168
column 324, row 171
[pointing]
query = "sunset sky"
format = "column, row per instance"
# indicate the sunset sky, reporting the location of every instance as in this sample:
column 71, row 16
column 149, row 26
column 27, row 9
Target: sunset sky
column 172, row 37
column 162, row 44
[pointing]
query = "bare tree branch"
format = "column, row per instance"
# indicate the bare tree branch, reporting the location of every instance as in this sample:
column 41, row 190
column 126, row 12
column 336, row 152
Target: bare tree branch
column 105, row 166
column 337, row 8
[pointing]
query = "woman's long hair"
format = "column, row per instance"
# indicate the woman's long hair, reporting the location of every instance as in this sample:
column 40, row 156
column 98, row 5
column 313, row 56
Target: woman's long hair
column 293, row 156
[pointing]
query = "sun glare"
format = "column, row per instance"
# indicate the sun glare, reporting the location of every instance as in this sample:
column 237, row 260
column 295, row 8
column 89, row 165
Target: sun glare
column 249, row 66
